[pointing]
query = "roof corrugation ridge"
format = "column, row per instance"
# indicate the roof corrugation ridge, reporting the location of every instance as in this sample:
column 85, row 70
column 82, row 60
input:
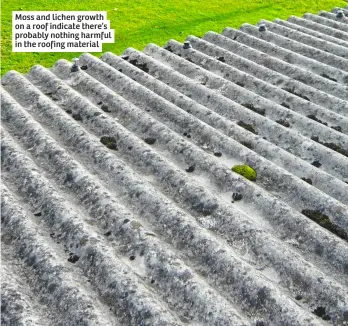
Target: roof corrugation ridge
column 291, row 24
column 323, row 29
column 327, row 46
column 297, row 48
column 185, row 254
column 326, row 22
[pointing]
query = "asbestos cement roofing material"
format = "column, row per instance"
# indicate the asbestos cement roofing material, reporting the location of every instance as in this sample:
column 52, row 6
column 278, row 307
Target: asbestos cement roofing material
column 119, row 204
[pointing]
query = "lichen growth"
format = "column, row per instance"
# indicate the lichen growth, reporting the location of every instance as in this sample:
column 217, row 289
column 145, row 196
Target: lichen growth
column 136, row 225
column 292, row 91
column 247, row 144
column 246, row 171
column 283, row 123
column 333, row 146
column 83, row 242
column 251, row 107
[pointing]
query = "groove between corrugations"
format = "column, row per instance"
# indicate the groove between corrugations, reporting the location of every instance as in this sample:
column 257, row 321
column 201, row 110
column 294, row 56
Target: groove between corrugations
column 267, row 149
column 145, row 232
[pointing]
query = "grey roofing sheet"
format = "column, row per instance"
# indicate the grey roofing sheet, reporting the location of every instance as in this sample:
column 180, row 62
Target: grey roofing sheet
column 119, row 205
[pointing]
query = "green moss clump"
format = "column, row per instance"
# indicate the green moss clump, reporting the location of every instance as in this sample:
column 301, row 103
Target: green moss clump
column 246, row 171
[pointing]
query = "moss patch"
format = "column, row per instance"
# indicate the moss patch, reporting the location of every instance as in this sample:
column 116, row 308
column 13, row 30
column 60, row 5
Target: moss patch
column 109, row 142
column 77, row 117
column 105, row 108
column 246, row 171
column 142, row 66
column 240, row 84
column 308, row 180
column 251, row 107
column 325, row 222
column 247, row 127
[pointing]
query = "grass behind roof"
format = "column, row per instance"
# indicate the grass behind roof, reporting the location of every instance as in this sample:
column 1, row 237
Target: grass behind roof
column 139, row 22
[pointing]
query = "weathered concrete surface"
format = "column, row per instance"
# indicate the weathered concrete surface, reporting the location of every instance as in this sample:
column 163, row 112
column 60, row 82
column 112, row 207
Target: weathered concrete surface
column 119, row 205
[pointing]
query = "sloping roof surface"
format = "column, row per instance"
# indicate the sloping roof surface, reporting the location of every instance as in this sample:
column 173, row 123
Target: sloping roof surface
column 119, row 205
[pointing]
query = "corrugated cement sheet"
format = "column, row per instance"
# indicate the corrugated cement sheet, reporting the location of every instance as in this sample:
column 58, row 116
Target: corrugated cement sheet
column 119, row 205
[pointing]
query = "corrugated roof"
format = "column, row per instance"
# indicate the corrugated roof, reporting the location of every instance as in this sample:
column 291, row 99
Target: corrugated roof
column 119, row 205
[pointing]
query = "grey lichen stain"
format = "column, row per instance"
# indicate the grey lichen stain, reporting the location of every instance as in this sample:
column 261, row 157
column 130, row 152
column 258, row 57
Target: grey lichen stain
column 109, row 142
column 283, row 123
column 251, row 107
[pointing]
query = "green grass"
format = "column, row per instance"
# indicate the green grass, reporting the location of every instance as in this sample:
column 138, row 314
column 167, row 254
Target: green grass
column 139, row 22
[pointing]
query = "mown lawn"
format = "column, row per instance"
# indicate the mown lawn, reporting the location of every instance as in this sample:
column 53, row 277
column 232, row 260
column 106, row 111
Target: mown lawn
column 139, row 22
